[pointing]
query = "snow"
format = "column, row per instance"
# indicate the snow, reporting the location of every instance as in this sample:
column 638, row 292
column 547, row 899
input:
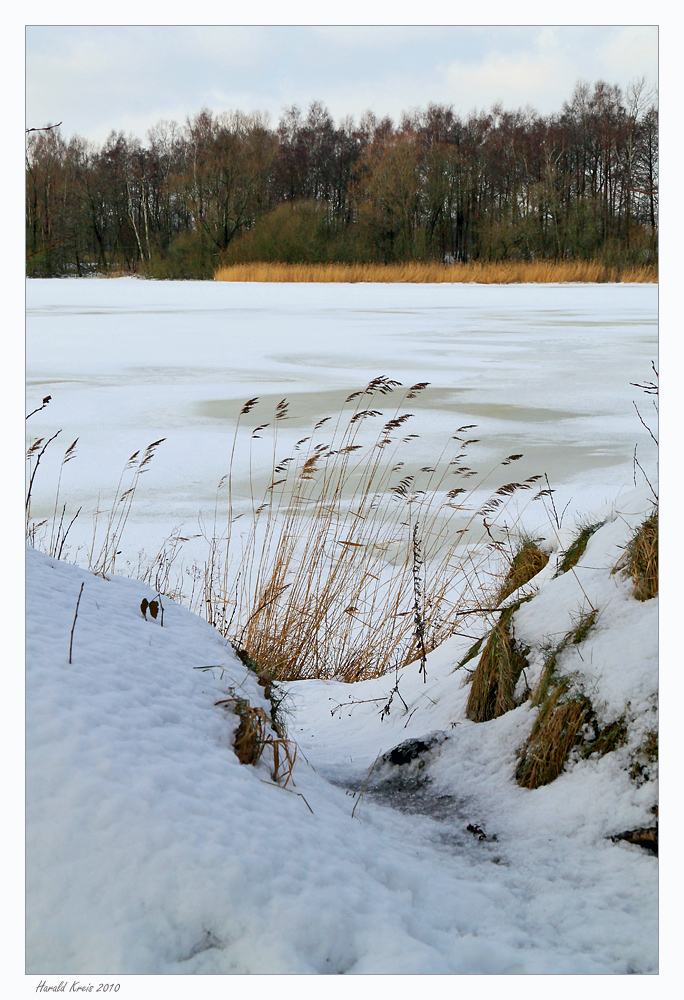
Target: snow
column 152, row 851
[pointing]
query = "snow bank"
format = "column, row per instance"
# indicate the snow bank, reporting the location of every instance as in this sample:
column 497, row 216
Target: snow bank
column 152, row 850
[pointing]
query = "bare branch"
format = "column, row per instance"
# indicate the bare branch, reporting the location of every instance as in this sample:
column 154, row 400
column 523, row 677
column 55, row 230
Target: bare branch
column 46, row 128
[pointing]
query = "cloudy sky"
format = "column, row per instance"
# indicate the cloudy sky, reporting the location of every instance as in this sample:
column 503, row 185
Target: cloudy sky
column 99, row 78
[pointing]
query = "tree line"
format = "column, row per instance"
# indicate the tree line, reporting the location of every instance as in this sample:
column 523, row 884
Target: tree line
column 230, row 187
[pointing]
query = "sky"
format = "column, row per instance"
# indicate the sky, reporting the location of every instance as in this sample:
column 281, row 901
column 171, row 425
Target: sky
column 98, row 78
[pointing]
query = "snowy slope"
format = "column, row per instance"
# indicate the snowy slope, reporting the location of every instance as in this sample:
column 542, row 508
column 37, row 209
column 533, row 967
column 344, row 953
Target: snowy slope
column 152, row 850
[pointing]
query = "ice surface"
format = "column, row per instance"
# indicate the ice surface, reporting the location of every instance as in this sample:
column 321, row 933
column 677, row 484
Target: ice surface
column 544, row 370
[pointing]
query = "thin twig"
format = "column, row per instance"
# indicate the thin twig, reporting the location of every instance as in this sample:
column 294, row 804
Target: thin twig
column 292, row 792
column 71, row 641
column 637, row 464
column 418, row 616
column 46, row 400
column 51, row 245
column 347, row 704
column 64, row 536
column 644, row 424
column 365, row 784
column 45, row 128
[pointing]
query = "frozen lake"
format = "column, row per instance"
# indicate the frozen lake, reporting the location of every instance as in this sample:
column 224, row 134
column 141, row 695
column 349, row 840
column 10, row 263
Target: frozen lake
column 540, row 369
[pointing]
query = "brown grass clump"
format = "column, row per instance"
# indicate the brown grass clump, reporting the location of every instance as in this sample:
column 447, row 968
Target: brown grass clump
column 641, row 559
column 252, row 738
column 556, row 730
column 493, row 683
column 563, row 715
column 426, row 272
column 526, row 563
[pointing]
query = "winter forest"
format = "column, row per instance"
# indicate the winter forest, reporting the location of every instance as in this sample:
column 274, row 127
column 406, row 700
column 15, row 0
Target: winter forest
column 230, row 187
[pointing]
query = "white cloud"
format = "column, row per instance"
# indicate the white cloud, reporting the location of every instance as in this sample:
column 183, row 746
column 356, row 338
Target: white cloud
column 374, row 37
column 240, row 48
column 542, row 81
column 632, row 51
column 97, row 78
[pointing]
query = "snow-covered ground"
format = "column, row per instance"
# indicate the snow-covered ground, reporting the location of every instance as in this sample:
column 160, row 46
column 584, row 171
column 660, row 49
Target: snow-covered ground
column 152, row 850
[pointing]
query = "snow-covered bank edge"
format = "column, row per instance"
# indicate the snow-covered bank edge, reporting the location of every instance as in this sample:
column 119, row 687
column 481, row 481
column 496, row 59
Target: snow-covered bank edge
column 139, row 711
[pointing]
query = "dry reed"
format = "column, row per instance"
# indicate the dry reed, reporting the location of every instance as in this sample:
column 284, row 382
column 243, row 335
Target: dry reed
column 347, row 565
column 252, row 738
column 424, row 272
column 106, row 538
column 322, row 583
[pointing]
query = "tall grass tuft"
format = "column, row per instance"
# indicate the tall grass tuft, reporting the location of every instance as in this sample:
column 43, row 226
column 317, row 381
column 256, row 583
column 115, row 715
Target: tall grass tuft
column 525, row 564
column 422, row 272
column 321, row 582
column 358, row 558
column 569, row 558
column 492, row 691
column 556, row 730
column 564, row 714
column 640, row 561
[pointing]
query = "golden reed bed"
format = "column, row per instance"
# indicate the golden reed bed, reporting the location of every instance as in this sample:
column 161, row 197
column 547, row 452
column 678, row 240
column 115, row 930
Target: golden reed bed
column 497, row 273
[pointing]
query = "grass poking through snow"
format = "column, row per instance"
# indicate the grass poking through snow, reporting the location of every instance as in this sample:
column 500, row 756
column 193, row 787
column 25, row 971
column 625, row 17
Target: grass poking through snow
column 574, row 552
column 640, row 561
column 492, row 691
column 525, row 564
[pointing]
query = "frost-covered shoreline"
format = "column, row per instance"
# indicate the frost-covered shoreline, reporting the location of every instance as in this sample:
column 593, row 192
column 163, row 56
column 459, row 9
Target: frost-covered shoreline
column 152, row 850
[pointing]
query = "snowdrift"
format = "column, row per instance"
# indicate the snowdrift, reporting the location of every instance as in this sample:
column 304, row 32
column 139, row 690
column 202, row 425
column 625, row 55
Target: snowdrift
column 152, row 850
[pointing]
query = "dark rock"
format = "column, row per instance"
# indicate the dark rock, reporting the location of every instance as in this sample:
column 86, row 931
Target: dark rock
column 407, row 751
